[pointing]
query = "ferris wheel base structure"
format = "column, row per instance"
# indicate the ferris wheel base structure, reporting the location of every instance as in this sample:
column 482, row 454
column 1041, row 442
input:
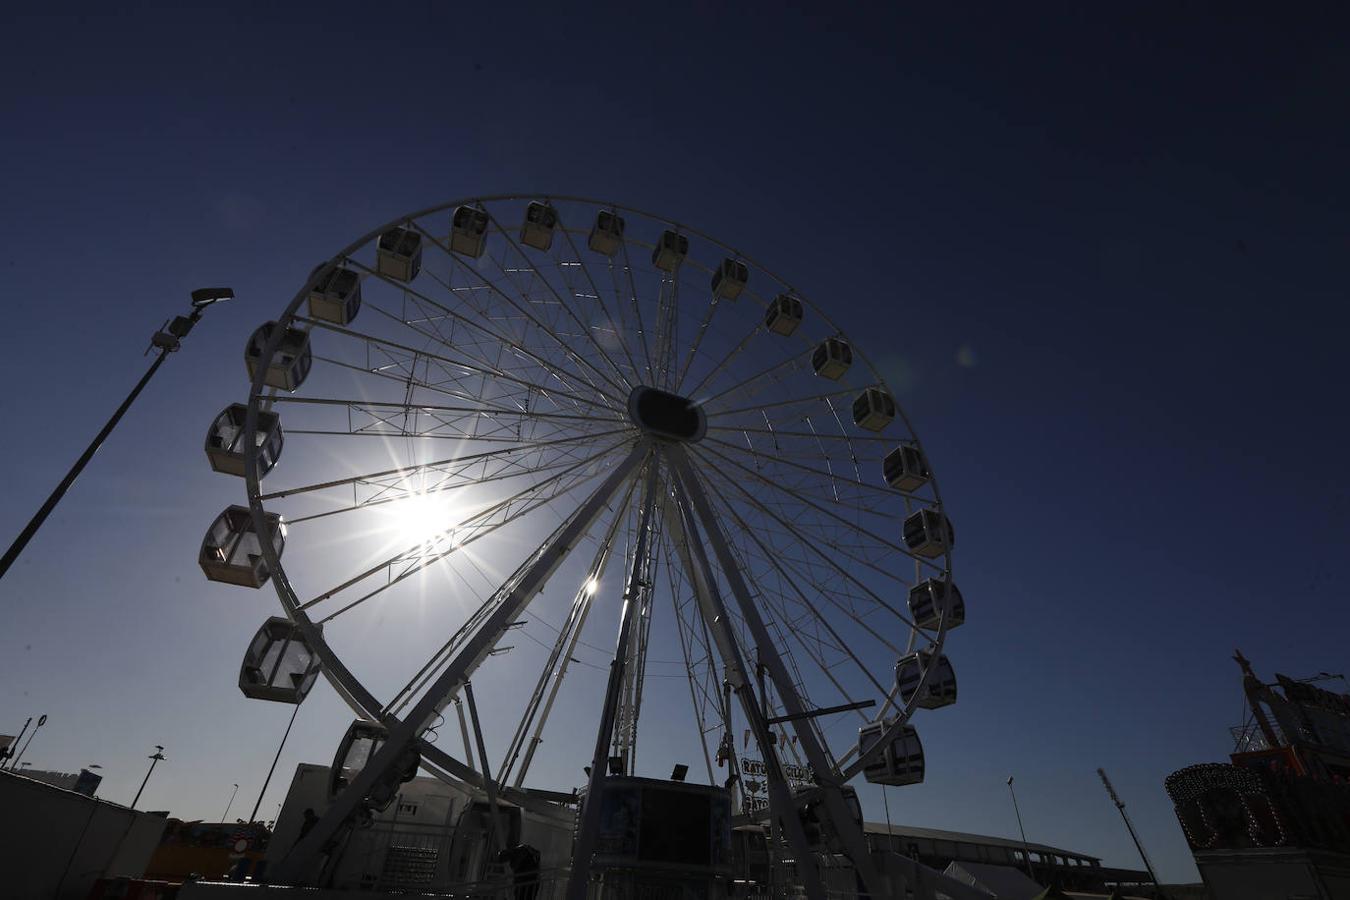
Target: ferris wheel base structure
column 568, row 375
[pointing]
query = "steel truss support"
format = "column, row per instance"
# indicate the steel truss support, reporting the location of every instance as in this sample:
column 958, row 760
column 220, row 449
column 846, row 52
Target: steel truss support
column 840, row 822
column 301, row 864
column 578, row 881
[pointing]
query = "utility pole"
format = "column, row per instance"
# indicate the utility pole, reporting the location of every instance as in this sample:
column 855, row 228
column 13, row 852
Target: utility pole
column 1026, row 851
column 154, row 758
column 167, row 341
column 1157, row 889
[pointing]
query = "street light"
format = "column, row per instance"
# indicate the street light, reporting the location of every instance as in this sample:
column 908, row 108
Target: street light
column 167, row 340
column 226, row 816
column 42, row 720
column 1026, row 851
column 7, row 753
column 154, row 758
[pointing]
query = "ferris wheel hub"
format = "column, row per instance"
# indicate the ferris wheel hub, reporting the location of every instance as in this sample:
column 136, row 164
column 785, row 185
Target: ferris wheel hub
column 667, row 416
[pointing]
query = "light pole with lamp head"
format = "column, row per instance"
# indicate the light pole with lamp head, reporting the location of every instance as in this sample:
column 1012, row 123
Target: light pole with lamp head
column 166, row 341
column 7, row 753
column 154, row 758
column 42, row 720
column 226, row 816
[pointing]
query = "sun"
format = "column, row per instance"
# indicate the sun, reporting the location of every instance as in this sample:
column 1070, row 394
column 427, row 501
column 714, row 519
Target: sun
column 421, row 517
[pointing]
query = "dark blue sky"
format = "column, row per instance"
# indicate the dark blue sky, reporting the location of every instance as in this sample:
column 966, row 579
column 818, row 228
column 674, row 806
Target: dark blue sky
column 1099, row 253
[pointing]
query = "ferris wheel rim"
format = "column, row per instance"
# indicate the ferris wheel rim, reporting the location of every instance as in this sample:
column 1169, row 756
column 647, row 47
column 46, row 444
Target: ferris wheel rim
column 344, row 681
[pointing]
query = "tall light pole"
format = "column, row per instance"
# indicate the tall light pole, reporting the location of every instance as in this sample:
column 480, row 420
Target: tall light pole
column 1026, row 851
column 8, row 753
column 226, row 816
column 42, row 720
column 154, row 758
column 166, row 341
column 1120, row 805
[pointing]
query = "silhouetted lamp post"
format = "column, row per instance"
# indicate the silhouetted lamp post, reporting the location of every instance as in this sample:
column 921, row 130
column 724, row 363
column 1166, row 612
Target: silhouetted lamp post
column 166, row 341
column 154, row 758
column 226, row 816
column 1026, row 851
column 42, row 720
column 7, row 753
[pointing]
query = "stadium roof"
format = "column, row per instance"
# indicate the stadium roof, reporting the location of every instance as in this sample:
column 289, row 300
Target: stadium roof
column 937, row 834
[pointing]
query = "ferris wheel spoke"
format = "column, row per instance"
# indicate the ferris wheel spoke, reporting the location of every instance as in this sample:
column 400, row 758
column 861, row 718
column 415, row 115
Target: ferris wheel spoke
column 774, row 620
column 883, row 491
column 800, row 495
column 566, row 307
column 448, row 482
column 500, row 340
column 698, row 703
column 698, row 339
column 449, row 535
column 790, row 579
column 811, row 543
column 635, row 301
column 615, row 321
column 401, row 471
column 865, row 438
column 482, row 369
column 492, row 286
column 723, row 363
column 794, row 359
column 758, row 407
column 840, row 489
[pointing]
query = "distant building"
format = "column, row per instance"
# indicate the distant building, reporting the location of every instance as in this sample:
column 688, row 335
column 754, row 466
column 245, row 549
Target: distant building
column 1067, row 869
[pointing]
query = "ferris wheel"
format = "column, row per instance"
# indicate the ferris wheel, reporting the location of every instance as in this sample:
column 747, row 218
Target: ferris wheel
column 566, row 457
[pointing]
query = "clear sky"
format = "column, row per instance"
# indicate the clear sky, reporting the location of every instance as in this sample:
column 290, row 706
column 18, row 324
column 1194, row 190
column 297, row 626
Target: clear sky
column 1099, row 253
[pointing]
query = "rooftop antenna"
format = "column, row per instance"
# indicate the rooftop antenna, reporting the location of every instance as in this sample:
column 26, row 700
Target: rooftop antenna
column 1134, row 837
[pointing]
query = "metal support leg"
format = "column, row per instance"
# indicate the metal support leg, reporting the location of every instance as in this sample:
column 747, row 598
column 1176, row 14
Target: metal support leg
column 781, row 805
column 487, row 773
column 849, row 832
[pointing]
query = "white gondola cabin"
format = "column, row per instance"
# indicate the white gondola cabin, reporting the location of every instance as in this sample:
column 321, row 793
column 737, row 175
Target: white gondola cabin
column 468, row 231
column 670, row 251
column 783, row 315
column 930, row 599
column 831, row 358
column 336, row 296
column 928, row 533
column 873, row 409
column 398, row 254
column 905, row 469
column 225, row 440
column 730, row 279
column 940, row 690
column 289, row 364
column 540, row 220
column 361, row 742
column 607, row 233
column 279, row 664
column 232, row 549
column 900, row 763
